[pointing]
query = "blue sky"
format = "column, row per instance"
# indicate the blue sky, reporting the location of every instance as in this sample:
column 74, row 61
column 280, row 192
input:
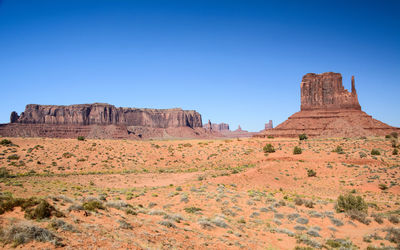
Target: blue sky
column 239, row 62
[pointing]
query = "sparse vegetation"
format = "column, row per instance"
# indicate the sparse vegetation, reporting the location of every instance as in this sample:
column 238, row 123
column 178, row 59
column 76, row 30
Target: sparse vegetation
column 297, row 150
column 81, row 138
column 311, row 173
column 268, row 148
column 349, row 202
column 375, row 152
column 303, row 137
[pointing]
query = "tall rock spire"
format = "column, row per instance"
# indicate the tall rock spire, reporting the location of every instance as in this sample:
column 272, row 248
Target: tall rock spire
column 353, row 86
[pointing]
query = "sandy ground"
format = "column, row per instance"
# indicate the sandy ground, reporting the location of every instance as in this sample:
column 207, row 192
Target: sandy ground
column 204, row 194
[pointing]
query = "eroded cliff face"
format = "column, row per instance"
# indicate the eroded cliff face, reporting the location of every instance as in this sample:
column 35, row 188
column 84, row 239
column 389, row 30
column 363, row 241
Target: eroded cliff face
column 328, row 110
column 106, row 114
column 217, row 126
column 326, row 92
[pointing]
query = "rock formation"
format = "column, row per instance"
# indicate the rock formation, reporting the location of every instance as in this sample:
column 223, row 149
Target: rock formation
column 216, row 126
column 106, row 114
column 102, row 120
column 269, row 125
column 328, row 110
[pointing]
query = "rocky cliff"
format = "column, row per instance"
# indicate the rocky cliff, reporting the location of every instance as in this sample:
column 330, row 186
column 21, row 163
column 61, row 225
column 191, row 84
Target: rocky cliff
column 100, row 120
column 106, row 114
column 325, row 91
column 328, row 110
column 217, row 126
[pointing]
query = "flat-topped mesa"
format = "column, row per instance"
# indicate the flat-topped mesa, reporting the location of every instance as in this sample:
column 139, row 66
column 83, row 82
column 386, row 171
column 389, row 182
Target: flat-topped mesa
column 326, row 92
column 106, row 114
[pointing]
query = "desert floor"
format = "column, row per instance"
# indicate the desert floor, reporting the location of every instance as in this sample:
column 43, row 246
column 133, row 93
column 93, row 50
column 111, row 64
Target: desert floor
column 197, row 194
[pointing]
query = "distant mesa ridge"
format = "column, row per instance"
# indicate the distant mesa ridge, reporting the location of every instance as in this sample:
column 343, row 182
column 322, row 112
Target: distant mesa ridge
column 328, row 110
column 106, row 114
column 102, row 120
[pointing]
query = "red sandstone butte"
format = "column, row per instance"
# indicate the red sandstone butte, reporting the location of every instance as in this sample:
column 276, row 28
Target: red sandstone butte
column 102, row 120
column 328, row 110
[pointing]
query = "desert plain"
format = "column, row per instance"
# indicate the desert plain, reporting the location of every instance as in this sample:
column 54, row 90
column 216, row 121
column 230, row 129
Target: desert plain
column 200, row 194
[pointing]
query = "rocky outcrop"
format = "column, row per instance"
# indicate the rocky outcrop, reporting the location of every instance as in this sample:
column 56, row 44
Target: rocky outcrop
column 100, row 120
column 220, row 127
column 106, row 114
column 326, row 92
column 269, row 125
column 328, row 110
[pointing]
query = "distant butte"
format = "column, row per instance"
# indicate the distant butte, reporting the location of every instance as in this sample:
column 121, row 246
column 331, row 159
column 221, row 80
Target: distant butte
column 102, row 120
column 328, row 110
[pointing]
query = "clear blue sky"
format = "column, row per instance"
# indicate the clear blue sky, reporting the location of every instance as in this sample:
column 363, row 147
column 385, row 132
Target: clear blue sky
column 239, row 62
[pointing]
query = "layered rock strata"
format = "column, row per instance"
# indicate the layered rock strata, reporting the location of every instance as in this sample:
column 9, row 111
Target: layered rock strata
column 328, row 110
column 100, row 120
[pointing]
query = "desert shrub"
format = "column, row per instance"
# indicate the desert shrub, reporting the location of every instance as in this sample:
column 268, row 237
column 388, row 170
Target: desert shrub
column 338, row 150
column 5, row 142
column 81, row 138
column 270, row 137
column 4, row 173
column 363, row 155
column 124, row 225
column 93, row 205
column 219, row 222
column 303, row 137
column 382, row 186
column 297, row 150
column 130, row 211
column 311, row 173
column 192, row 210
column 41, row 211
column 268, row 148
column 378, row 218
column 395, row 151
column 13, row 157
column 167, row 223
column 375, row 152
column 68, row 155
column 393, row 219
column 350, row 202
column 298, row 201
column 205, row 223
column 394, row 134
column 22, row 233
column 358, row 215
column 394, row 143
column 393, row 235
column 309, row 203
column 60, row 224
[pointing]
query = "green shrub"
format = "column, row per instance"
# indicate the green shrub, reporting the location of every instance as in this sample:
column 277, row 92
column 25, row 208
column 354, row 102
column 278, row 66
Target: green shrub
column 93, row 205
column 5, row 142
column 375, row 152
column 270, row 137
column 41, row 211
column 394, row 134
column 311, row 173
column 395, row 151
column 81, row 138
column 350, row 202
column 192, row 210
column 4, row 173
column 297, row 150
column 268, row 148
column 303, row 137
column 13, row 157
column 383, row 186
column 363, row 155
column 338, row 150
